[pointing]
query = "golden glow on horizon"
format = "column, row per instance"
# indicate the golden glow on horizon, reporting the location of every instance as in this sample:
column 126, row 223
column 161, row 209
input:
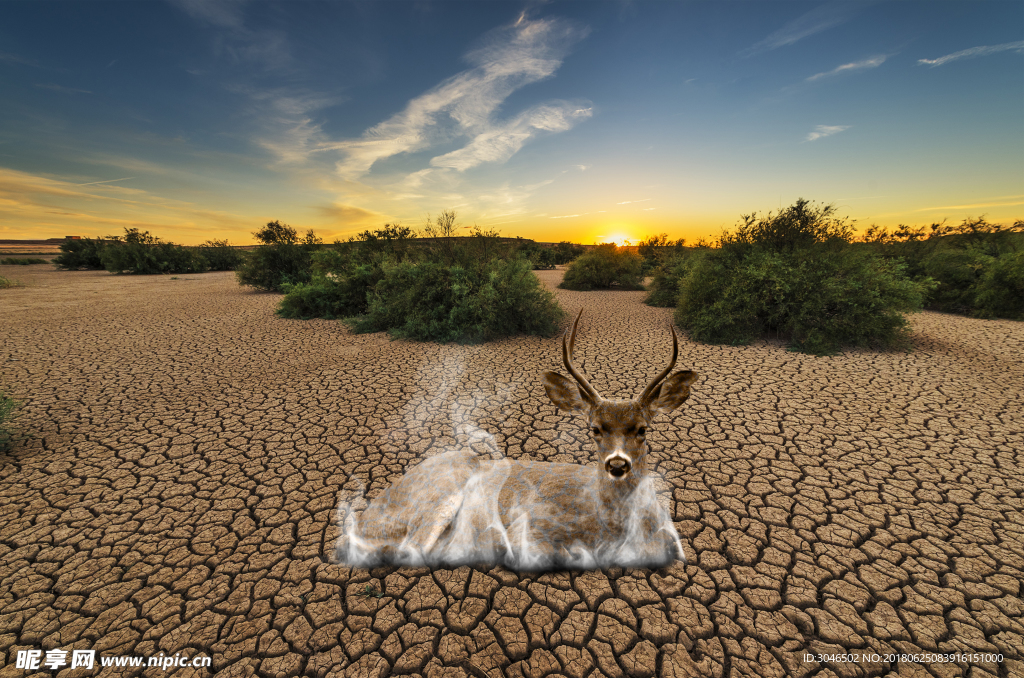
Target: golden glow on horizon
column 35, row 206
column 618, row 237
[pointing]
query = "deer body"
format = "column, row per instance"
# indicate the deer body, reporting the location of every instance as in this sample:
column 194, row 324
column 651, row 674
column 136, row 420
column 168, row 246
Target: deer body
column 460, row 508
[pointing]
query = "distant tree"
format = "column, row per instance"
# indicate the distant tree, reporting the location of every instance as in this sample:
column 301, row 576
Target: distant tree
column 282, row 258
column 443, row 229
column 443, row 226
column 276, row 233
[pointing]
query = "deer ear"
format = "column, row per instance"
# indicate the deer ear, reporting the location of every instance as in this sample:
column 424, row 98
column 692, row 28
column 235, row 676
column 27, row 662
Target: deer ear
column 672, row 392
column 565, row 394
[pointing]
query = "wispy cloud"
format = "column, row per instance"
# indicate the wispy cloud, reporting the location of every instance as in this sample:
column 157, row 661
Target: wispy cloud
column 15, row 59
column 822, row 131
column 108, row 181
column 350, row 215
column 818, row 19
column 504, row 140
column 221, row 13
column 1008, row 201
column 62, row 89
column 292, row 133
column 873, row 62
column 98, row 207
column 464, row 104
column 505, row 200
column 630, row 202
column 973, row 52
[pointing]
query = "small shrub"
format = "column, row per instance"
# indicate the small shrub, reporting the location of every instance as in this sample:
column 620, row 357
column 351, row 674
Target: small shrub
column 972, row 263
column 957, row 273
column 151, row 259
column 1000, row 291
column 136, row 252
column 605, row 267
column 8, row 406
column 342, row 276
column 540, row 257
column 11, row 261
column 797, row 227
column 664, row 286
column 270, row 267
column 658, row 250
column 331, row 297
column 7, row 283
column 565, row 252
column 430, row 301
column 220, row 256
column 282, row 259
column 83, row 253
column 393, row 241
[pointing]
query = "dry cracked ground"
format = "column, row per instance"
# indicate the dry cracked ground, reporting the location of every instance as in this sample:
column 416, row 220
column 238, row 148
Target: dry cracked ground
column 185, row 451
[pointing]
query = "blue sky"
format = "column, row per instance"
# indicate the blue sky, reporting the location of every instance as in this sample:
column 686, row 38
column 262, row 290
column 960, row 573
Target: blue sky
column 579, row 120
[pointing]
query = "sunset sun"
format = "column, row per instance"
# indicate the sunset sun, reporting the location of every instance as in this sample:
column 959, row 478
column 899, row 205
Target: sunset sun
column 618, row 237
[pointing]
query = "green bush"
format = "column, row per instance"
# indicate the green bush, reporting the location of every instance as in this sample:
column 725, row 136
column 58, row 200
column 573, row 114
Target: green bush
column 604, row 267
column 8, row 406
column 281, row 260
column 565, row 252
column 541, row 257
column 973, row 263
column 453, row 289
column 957, row 273
column 271, row 267
column 664, row 287
column 220, row 256
column 11, row 261
column 136, row 252
column 820, row 299
column 432, row 301
column 1000, row 292
column 795, row 275
column 331, row 297
column 799, row 226
column 341, row 276
column 658, row 250
column 83, row 253
column 150, row 259
column 7, row 283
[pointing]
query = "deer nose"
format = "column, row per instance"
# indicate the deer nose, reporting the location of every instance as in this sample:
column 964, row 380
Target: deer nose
column 617, row 466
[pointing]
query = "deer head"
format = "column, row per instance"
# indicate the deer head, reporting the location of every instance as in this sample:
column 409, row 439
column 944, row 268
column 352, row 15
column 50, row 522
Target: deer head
column 619, row 427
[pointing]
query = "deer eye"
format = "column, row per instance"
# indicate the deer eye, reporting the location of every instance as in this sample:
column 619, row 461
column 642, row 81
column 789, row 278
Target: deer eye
column 642, row 431
column 596, row 431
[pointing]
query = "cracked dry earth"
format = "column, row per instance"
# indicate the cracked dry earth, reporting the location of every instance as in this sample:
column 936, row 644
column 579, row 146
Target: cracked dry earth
column 186, row 450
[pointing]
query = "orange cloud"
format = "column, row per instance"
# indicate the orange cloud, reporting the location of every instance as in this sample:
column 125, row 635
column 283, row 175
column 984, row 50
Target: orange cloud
column 36, row 207
column 349, row 219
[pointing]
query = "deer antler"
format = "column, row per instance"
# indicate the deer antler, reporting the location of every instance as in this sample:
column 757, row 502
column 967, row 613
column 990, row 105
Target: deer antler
column 567, row 359
column 653, row 386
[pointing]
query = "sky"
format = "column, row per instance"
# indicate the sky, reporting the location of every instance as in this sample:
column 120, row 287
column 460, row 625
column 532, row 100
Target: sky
column 586, row 121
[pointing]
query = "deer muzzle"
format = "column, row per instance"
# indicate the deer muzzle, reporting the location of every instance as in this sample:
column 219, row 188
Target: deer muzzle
column 617, row 466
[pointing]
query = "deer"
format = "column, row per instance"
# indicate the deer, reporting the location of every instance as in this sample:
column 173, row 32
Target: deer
column 460, row 508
